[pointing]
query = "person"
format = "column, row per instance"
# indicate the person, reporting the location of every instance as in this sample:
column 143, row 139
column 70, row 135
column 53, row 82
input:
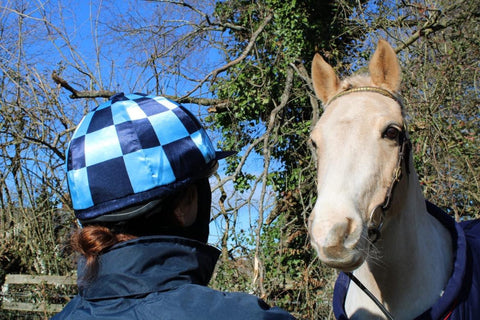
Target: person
column 137, row 173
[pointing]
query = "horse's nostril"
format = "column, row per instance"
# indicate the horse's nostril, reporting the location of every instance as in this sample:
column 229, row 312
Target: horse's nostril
column 339, row 237
column 349, row 228
column 339, row 232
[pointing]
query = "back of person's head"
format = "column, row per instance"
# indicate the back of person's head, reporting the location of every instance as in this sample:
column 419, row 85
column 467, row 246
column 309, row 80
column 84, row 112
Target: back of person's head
column 138, row 165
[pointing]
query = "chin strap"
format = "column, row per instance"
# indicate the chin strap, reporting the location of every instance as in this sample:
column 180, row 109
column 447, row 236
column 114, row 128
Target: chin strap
column 370, row 295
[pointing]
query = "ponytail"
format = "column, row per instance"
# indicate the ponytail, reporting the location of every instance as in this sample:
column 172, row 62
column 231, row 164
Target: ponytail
column 91, row 241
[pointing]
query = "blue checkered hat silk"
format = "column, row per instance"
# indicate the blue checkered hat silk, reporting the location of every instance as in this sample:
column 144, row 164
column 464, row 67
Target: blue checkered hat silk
column 132, row 149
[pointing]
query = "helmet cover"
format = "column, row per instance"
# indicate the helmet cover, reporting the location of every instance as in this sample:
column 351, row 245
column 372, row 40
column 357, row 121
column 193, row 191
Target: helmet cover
column 133, row 149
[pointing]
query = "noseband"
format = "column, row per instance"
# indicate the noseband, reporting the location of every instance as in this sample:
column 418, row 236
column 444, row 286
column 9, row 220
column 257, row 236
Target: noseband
column 377, row 215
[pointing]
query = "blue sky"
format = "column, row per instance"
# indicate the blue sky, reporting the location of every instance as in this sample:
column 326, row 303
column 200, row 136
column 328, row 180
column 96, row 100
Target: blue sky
column 74, row 38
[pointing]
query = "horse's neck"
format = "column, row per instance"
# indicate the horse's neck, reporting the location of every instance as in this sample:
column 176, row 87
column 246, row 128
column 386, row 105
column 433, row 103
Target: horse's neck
column 412, row 262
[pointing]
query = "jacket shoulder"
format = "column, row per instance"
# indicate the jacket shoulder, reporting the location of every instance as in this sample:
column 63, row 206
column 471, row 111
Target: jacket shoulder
column 185, row 302
column 199, row 302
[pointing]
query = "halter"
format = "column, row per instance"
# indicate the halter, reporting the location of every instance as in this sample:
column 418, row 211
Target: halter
column 377, row 215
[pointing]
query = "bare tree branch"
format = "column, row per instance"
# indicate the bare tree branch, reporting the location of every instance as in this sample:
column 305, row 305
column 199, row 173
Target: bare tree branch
column 212, row 75
column 81, row 94
column 429, row 27
column 223, row 25
column 215, row 105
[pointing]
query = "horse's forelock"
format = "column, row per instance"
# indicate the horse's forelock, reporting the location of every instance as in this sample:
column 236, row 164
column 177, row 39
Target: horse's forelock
column 363, row 80
column 356, row 81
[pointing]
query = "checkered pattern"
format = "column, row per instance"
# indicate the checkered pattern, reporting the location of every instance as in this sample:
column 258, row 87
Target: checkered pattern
column 131, row 149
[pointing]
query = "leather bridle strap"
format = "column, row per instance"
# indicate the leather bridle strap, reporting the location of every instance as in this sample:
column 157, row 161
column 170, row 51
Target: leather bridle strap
column 370, row 295
column 377, row 215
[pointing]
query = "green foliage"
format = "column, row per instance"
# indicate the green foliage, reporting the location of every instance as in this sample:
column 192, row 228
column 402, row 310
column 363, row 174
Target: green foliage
column 254, row 88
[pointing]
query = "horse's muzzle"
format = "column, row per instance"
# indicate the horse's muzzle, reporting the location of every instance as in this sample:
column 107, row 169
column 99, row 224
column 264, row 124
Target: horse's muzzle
column 338, row 242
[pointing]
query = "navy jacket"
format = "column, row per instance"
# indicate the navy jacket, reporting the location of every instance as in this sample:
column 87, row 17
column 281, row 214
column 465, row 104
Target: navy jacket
column 461, row 298
column 161, row 277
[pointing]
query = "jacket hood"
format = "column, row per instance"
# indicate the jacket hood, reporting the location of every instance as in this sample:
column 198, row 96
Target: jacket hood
column 148, row 264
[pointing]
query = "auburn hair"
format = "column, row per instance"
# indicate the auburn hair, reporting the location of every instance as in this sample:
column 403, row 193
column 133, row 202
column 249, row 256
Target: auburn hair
column 91, row 241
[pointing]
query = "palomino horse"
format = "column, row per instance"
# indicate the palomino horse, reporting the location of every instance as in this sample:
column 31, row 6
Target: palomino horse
column 371, row 219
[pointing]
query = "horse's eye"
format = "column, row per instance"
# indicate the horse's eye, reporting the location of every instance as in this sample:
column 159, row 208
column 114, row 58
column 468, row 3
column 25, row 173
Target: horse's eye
column 313, row 143
column 391, row 133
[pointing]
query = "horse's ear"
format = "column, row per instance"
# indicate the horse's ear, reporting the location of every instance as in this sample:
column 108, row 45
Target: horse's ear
column 384, row 67
column 325, row 81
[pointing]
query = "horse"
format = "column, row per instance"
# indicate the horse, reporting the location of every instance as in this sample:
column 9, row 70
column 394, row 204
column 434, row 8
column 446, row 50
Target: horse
column 399, row 256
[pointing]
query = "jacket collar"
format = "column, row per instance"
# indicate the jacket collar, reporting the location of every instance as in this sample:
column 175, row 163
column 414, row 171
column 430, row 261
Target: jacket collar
column 148, row 264
column 454, row 285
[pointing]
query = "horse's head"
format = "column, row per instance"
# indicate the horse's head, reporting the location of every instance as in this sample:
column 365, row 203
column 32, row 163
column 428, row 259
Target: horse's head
column 358, row 140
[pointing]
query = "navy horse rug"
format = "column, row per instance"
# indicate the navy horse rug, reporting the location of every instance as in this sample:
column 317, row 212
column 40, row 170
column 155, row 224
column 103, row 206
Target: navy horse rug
column 461, row 298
